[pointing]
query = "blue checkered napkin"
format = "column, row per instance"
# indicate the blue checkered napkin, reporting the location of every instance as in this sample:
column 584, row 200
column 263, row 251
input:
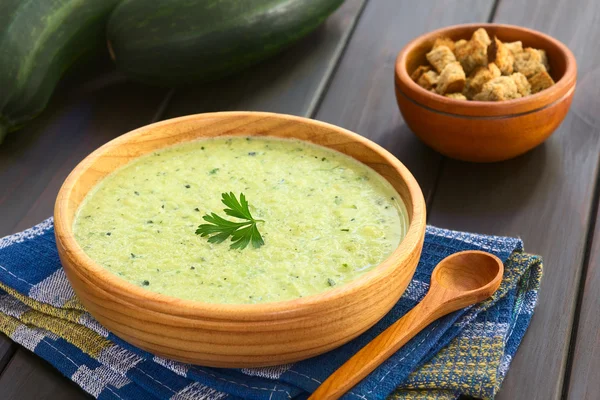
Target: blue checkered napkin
column 467, row 352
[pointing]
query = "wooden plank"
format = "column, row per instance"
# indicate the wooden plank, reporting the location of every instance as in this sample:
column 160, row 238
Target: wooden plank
column 7, row 349
column 545, row 197
column 289, row 83
column 29, row 377
column 361, row 94
column 584, row 383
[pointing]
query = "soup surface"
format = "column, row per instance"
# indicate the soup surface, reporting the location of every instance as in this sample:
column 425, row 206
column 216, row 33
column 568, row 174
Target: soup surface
column 327, row 219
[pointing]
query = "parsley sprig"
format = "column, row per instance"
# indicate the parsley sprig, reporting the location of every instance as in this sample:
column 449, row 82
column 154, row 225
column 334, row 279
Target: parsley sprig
column 242, row 233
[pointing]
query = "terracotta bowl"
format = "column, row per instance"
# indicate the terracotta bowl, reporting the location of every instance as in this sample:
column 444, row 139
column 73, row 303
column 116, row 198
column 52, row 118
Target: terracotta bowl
column 247, row 335
column 482, row 131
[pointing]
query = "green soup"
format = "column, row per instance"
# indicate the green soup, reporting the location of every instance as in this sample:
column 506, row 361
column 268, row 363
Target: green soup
column 327, row 220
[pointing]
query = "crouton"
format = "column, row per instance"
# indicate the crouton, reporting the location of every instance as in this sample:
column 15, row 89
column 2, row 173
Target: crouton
column 444, row 41
column 473, row 54
column 500, row 55
column 523, row 86
column 428, row 80
column 481, row 75
column 439, row 57
column 514, row 47
column 483, row 69
column 540, row 81
column 497, row 89
column 459, row 43
column 529, row 62
column 452, row 79
column 457, row 96
column 544, row 58
column 481, row 35
column 419, row 71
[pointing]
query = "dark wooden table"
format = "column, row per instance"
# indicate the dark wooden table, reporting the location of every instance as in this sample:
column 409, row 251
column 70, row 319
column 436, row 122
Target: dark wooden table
column 343, row 74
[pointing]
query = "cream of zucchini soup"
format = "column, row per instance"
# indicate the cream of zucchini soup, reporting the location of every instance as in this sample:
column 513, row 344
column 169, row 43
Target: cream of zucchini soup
column 241, row 220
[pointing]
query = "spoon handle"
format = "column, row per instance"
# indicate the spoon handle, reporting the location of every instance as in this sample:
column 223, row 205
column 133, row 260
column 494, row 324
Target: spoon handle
column 378, row 350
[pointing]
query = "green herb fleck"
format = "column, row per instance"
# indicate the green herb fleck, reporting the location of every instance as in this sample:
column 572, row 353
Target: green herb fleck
column 133, row 255
column 252, row 153
column 242, row 233
column 330, row 282
column 196, row 209
column 136, row 193
column 213, row 171
column 108, row 233
column 345, row 265
column 187, row 186
column 145, row 282
column 345, row 230
column 149, row 221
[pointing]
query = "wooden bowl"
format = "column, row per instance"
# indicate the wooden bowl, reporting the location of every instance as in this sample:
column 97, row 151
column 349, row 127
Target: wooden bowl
column 482, row 131
column 246, row 335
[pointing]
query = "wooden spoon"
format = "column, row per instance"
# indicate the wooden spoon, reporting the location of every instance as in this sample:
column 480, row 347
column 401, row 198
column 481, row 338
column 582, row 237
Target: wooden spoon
column 459, row 280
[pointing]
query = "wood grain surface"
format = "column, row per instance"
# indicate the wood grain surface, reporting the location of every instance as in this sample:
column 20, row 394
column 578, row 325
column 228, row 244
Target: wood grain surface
column 7, row 349
column 30, row 377
column 545, row 197
column 584, row 383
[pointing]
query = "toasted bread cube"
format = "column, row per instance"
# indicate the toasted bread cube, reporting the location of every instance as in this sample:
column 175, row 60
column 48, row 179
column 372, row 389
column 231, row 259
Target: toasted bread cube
column 523, row 86
column 540, row 81
column 452, row 79
column 473, row 54
column 439, row 57
column 457, row 96
column 428, row 80
column 444, row 41
column 497, row 89
column 419, row 71
column 544, row 58
column 479, row 77
column 459, row 43
column 481, row 35
column 514, row 47
column 501, row 56
column 529, row 62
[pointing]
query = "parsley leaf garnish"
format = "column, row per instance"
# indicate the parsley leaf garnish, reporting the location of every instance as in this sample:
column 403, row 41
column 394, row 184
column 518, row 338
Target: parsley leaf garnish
column 242, row 233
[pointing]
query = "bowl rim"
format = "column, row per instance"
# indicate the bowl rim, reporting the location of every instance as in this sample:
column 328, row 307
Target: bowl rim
column 484, row 109
column 259, row 311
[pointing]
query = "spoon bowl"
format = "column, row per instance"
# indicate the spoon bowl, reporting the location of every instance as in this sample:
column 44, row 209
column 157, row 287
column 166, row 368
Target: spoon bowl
column 467, row 271
column 467, row 277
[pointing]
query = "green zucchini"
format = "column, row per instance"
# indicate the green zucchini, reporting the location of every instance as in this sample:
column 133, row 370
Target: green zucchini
column 39, row 40
column 177, row 42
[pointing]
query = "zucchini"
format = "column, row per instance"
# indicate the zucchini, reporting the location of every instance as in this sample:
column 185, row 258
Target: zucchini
column 177, row 42
column 39, row 40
